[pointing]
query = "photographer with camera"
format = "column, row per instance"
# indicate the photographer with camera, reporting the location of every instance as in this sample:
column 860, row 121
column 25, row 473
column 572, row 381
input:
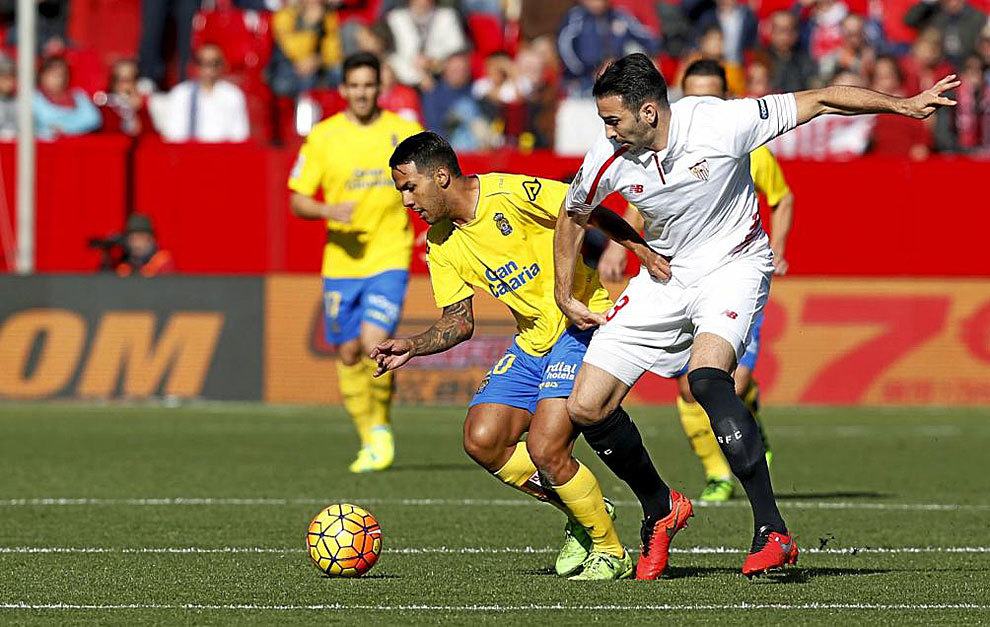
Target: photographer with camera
column 139, row 254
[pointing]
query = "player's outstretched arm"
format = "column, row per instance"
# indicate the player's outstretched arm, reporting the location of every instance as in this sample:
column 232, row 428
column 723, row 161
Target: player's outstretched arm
column 781, row 220
column 455, row 325
column 846, row 100
column 627, row 236
column 311, row 209
column 567, row 239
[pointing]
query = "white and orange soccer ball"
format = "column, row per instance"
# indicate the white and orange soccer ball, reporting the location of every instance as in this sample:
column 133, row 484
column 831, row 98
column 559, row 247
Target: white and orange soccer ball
column 344, row 540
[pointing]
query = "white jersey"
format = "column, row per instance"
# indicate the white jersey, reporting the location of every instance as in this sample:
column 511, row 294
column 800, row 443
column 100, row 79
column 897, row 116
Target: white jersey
column 696, row 195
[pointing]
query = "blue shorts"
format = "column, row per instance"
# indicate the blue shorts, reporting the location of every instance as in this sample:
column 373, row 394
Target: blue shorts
column 748, row 360
column 522, row 380
column 377, row 299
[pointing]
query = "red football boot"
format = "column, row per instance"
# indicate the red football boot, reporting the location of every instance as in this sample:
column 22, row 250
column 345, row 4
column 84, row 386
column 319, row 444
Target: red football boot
column 656, row 537
column 771, row 550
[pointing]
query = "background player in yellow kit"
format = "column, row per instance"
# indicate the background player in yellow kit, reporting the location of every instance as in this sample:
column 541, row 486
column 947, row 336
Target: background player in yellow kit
column 368, row 247
column 707, row 78
column 494, row 232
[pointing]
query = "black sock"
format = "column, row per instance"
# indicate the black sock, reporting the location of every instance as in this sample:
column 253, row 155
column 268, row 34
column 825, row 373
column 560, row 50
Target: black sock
column 739, row 438
column 619, row 444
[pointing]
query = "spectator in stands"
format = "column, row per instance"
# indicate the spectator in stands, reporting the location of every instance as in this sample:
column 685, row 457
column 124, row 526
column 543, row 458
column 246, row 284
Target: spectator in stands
column 711, row 47
column 830, row 136
column 58, row 110
column 424, row 36
column 676, row 30
column 965, row 128
column 854, row 53
column 824, row 27
column 594, row 32
column 924, row 65
column 154, row 23
column 501, row 84
column 8, row 99
column 207, row 109
column 454, row 84
column 897, row 135
column 399, row 98
column 757, row 79
column 738, row 25
column 307, row 51
column 538, row 64
column 957, row 20
column 142, row 256
column 123, row 107
column 791, row 69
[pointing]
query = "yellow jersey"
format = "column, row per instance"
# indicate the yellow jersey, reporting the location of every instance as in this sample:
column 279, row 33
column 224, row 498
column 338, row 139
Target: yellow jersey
column 350, row 163
column 767, row 175
column 507, row 251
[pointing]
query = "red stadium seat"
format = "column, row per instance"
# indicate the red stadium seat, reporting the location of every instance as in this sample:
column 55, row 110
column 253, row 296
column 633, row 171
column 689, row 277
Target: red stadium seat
column 244, row 36
column 488, row 37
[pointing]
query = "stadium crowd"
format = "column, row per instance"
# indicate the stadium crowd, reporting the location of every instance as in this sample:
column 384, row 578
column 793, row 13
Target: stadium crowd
column 489, row 74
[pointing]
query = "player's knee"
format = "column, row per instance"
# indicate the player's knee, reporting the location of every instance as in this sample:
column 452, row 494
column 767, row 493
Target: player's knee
column 707, row 384
column 585, row 411
column 550, row 458
column 349, row 352
column 483, row 443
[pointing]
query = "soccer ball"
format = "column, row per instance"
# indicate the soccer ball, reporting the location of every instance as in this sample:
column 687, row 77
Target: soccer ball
column 344, row 540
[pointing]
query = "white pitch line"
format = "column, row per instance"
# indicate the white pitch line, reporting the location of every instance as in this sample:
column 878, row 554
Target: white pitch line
column 502, row 608
column 443, row 550
column 228, row 502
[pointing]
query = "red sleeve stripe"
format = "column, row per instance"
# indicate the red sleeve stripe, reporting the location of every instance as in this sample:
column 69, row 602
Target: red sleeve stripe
column 601, row 172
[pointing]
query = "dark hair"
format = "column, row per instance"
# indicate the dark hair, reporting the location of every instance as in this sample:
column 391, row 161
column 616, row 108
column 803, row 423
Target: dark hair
column 49, row 62
column 706, row 67
column 428, row 151
column 635, row 79
column 363, row 59
column 893, row 61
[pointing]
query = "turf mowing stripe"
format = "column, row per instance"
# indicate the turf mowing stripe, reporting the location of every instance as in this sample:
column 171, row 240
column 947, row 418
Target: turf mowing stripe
column 502, row 608
column 224, row 502
column 697, row 550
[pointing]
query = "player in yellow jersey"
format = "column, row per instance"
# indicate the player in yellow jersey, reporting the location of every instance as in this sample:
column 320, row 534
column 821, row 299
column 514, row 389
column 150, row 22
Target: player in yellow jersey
column 368, row 246
column 707, row 78
column 494, row 232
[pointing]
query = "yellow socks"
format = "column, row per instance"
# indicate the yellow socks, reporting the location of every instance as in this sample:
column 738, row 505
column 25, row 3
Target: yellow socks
column 380, row 395
column 583, row 498
column 355, row 391
column 520, row 473
column 698, row 429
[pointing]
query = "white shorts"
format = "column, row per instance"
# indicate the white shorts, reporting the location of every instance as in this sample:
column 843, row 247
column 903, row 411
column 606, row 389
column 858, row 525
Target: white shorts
column 652, row 325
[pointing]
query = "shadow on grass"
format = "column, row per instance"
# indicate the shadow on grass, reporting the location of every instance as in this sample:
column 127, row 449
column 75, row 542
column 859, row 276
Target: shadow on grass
column 364, row 577
column 434, row 467
column 791, row 575
column 811, row 496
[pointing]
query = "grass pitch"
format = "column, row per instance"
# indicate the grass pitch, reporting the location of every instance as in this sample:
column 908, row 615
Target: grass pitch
column 198, row 514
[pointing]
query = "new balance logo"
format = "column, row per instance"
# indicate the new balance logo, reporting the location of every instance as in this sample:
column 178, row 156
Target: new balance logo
column 636, row 189
column 730, row 314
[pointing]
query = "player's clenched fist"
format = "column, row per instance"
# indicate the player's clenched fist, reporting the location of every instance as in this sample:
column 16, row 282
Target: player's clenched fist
column 657, row 265
column 391, row 354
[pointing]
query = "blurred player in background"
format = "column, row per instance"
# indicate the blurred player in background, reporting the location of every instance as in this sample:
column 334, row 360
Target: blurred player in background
column 707, row 78
column 368, row 247
column 495, row 232
column 686, row 169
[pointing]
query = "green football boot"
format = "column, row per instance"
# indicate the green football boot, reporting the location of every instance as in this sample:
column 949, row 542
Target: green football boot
column 577, row 545
column 717, row 490
column 603, row 567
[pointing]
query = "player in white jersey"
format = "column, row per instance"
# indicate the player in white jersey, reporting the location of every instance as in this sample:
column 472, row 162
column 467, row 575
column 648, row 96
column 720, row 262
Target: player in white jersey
column 686, row 169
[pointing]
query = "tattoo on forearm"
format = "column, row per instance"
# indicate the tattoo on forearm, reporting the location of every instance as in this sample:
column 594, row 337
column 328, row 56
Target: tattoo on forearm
column 454, row 326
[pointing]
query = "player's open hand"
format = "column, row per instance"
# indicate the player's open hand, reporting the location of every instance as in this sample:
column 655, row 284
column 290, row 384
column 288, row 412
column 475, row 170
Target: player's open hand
column 656, row 264
column 928, row 101
column 579, row 314
column 391, row 354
